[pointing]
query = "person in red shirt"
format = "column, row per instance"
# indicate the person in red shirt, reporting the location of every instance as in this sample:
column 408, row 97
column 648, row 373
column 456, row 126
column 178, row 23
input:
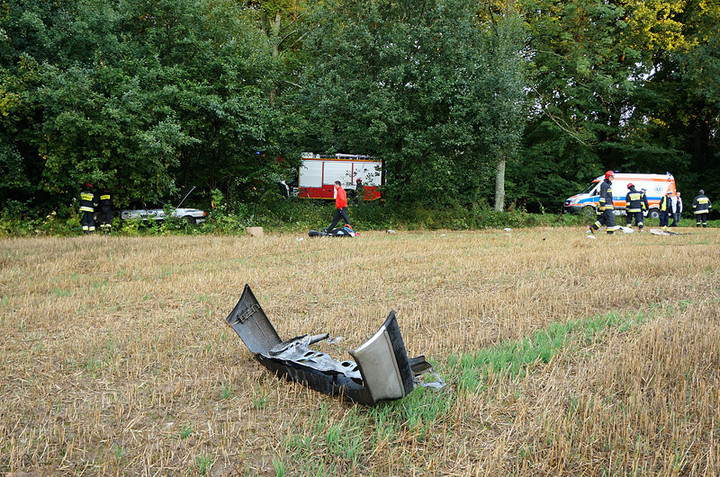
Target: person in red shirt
column 341, row 211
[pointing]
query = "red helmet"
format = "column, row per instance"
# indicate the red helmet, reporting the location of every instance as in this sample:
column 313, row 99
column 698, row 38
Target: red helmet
column 631, row 185
column 88, row 185
column 608, row 174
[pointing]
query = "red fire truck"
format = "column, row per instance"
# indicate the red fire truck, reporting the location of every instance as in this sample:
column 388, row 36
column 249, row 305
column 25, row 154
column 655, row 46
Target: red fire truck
column 357, row 173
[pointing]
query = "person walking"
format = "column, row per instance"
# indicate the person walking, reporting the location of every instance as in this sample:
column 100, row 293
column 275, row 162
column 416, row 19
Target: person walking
column 341, row 211
column 701, row 206
column 677, row 208
column 665, row 208
column 105, row 216
column 605, row 206
column 635, row 203
column 87, row 209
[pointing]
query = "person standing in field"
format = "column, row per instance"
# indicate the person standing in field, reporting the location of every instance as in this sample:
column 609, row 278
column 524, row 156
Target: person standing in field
column 635, row 203
column 359, row 191
column 87, row 209
column 701, row 206
column 665, row 209
column 605, row 206
column 105, row 216
column 677, row 209
column 341, row 211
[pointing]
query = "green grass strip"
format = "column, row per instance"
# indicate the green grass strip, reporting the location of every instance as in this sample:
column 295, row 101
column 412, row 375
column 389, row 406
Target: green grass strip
column 514, row 357
column 325, row 446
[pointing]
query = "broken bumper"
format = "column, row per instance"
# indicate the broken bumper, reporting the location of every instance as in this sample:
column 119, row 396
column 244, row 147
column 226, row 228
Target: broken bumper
column 381, row 370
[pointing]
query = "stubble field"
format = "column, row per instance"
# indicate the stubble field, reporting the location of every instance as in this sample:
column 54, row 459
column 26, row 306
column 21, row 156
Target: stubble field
column 563, row 355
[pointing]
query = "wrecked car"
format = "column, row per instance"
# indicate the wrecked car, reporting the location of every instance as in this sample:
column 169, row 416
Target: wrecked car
column 346, row 231
column 381, row 369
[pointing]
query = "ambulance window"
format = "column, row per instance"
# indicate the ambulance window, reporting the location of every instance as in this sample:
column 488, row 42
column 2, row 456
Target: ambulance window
column 589, row 188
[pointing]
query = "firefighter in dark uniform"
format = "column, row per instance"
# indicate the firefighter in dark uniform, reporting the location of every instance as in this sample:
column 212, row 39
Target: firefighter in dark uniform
column 605, row 206
column 635, row 203
column 701, row 206
column 87, row 209
column 665, row 209
column 105, row 216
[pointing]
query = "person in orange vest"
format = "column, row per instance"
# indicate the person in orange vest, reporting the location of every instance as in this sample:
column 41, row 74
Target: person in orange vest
column 341, row 211
column 87, row 209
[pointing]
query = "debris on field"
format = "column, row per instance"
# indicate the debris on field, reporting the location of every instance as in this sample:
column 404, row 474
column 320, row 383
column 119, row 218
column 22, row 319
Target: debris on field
column 665, row 232
column 381, row 370
column 591, row 237
column 507, row 229
column 346, row 231
column 389, row 231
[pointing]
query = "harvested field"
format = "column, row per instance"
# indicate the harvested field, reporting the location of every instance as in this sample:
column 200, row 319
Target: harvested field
column 563, row 355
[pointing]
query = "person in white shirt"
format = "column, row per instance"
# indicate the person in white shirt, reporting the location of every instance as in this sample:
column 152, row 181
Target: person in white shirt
column 677, row 208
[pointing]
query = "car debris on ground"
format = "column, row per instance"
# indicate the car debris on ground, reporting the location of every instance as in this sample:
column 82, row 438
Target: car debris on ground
column 381, row 370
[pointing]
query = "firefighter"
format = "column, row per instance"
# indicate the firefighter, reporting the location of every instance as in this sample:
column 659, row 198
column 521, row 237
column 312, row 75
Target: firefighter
column 87, row 209
column 635, row 203
column 341, row 211
column 105, row 216
column 359, row 191
column 701, row 206
column 665, row 209
column 605, row 206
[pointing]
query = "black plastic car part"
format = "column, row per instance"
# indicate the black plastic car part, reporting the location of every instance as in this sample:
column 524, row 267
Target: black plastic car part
column 381, row 370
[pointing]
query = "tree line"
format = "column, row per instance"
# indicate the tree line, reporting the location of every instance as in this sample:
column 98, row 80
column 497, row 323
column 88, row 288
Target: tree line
column 504, row 102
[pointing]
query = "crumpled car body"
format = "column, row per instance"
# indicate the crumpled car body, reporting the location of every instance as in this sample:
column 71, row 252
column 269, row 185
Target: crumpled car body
column 381, row 370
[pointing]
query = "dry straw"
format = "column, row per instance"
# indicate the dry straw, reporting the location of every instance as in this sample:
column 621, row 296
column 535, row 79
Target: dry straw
column 116, row 359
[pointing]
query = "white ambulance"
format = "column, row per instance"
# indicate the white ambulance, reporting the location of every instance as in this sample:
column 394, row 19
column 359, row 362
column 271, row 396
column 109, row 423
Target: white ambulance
column 655, row 185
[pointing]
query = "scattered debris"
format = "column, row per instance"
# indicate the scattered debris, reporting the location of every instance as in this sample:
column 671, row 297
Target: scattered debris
column 665, row 232
column 381, row 370
column 346, row 231
column 591, row 237
column 627, row 230
column 389, row 231
column 507, row 229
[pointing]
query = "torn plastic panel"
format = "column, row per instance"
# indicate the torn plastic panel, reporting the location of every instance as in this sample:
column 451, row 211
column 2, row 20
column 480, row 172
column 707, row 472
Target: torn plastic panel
column 381, row 370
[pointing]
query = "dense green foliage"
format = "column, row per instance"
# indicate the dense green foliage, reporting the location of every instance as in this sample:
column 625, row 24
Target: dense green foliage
column 148, row 97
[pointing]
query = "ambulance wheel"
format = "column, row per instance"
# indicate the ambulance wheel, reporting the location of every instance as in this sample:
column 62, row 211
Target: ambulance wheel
column 589, row 211
column 654, row 214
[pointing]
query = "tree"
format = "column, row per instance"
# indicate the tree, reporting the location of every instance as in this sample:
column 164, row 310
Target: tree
column 413, row 84
column 504, row 123
column 592, row 63
column 141, row 97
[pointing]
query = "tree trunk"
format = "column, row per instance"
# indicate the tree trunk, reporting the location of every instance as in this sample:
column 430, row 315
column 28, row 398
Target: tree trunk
column 500, row 185
column 275, row 39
